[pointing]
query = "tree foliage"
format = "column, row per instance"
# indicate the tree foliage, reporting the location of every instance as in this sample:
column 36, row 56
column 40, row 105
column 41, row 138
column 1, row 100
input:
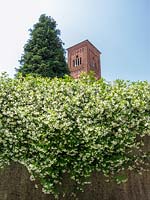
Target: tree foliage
column 44, row 54
column 57, row 126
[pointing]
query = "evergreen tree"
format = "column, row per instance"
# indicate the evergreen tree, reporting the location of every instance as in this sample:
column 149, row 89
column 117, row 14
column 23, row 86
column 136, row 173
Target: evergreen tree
column 44, row 54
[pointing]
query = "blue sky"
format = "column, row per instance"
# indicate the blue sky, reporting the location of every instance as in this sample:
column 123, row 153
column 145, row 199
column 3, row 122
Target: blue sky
column 120, row 29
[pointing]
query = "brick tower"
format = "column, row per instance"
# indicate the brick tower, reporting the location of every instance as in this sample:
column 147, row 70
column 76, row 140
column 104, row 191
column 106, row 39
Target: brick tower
column 84, row 57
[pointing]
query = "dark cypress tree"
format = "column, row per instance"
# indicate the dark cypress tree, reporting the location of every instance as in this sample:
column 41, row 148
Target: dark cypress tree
column 44, row 54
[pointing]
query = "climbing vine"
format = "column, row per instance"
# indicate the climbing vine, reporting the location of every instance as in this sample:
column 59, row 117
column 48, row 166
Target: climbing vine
column 57, row 126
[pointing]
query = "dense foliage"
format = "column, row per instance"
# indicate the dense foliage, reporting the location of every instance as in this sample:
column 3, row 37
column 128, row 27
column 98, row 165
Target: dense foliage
column 44, row 53
column 57, row 126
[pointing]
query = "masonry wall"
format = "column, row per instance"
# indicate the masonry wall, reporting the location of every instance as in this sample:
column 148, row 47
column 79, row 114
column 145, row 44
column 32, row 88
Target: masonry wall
column 94, row 61
column 90, row 59
column 81, row 50
column 15, row 184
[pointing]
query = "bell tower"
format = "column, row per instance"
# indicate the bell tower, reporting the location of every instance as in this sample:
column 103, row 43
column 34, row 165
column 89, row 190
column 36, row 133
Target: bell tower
column 84, row 57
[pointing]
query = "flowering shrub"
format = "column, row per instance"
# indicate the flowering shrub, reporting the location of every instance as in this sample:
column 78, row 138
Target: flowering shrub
column 57, row 126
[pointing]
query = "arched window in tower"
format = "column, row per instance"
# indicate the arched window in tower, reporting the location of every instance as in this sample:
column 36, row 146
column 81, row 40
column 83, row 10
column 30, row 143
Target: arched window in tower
column 77, row 61
column 80, row 60
column 93, row 63
column 73, row 63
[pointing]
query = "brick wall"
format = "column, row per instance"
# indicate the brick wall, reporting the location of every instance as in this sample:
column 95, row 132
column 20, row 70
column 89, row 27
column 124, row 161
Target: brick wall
column 84, row 57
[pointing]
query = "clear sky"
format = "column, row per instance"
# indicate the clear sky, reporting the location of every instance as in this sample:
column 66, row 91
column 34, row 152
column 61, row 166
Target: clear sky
column 120, row 29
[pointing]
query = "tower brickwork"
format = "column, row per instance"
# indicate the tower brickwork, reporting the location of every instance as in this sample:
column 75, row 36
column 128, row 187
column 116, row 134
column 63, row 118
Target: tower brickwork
column 84, row 57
